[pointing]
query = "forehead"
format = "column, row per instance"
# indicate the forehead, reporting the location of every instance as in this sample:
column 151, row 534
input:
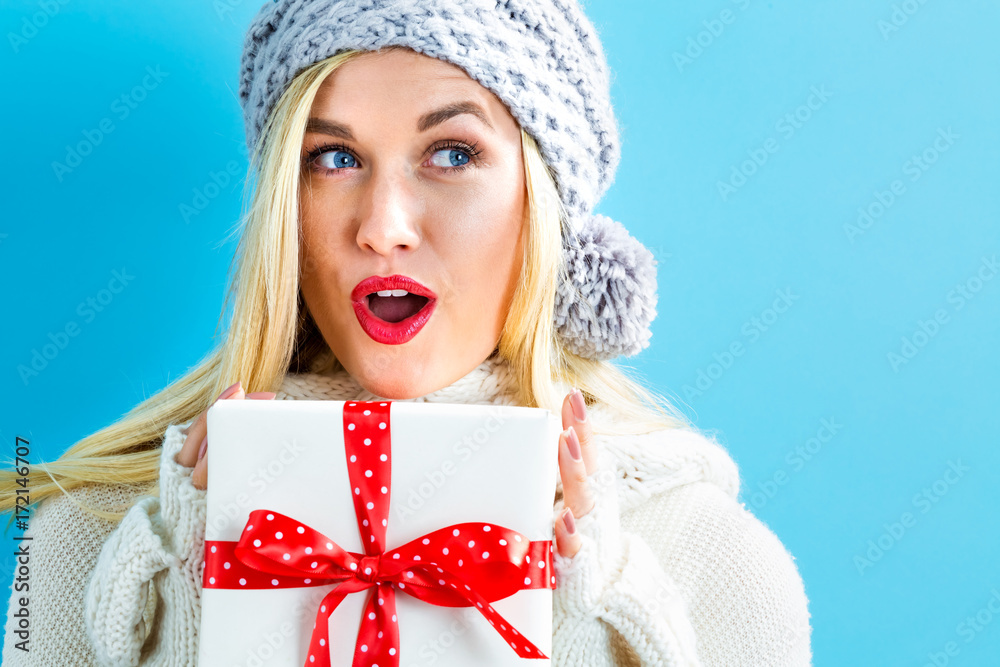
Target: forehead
column 403, row 79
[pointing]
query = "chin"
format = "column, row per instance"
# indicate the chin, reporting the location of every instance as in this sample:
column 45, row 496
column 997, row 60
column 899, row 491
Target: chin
column 393, row 377
column 399, row 372
column 394, row 387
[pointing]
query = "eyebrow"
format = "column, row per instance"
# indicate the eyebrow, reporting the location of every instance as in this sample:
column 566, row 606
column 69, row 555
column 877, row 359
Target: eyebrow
column 438, row 116
column 426, row 122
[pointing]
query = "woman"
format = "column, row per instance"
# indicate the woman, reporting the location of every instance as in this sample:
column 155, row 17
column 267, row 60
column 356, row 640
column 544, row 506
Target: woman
column 420, row 230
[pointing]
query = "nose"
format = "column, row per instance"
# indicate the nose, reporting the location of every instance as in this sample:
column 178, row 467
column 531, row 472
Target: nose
column 389, row 213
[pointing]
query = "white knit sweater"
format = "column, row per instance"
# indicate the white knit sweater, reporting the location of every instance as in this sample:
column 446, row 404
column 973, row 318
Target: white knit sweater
column 673, row 569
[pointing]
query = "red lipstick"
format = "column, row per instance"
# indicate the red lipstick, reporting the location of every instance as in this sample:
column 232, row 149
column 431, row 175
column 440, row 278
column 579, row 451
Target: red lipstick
column 384, row 331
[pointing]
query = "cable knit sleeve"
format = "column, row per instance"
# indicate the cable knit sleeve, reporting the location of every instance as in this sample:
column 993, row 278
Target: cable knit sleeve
column 159, row 542
column 63, row 549
column 745, row 597
column 615, row 586
column 689, row 578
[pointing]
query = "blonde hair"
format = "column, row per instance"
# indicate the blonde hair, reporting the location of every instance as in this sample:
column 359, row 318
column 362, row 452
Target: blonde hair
column 271, row 332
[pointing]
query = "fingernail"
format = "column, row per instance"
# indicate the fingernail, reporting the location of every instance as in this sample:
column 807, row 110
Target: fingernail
column 569, row 521
column 261, row 395
column 579, row 406
column 229, row 392
column 573, row 444
column 203, row 448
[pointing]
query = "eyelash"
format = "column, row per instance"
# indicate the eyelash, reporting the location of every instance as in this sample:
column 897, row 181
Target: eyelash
column 472, row 151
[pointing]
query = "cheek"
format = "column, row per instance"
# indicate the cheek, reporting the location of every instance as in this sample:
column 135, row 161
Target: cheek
column 507, row 219
column 319, row 247
column 492, row 213
column 483, row 244
column 311, row 216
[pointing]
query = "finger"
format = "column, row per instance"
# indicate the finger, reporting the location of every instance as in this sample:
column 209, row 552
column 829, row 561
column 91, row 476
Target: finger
column 188, row 455
column 573, row 472
column 199, row 477
column 567, row 539
column 574, row 413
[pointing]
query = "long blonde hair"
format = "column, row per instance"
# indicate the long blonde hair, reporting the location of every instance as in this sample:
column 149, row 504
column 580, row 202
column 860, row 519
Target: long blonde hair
column 271, row 332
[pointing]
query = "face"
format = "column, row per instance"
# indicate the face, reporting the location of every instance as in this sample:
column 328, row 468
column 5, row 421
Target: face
column 412, row 210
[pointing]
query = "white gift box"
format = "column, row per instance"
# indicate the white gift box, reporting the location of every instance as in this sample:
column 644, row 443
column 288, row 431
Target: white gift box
column 450, row 464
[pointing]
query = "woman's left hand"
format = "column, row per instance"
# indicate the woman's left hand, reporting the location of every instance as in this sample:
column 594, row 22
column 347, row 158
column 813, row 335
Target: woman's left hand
column 577, row 461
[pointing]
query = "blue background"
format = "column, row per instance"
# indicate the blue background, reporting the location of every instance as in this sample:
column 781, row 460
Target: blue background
column 856, row 295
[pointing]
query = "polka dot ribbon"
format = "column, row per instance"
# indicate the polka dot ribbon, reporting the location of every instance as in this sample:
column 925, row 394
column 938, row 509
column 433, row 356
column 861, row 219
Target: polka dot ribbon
column 461, row 565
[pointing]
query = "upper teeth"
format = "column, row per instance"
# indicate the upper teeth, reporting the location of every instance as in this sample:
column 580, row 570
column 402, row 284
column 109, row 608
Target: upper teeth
column 392, row 292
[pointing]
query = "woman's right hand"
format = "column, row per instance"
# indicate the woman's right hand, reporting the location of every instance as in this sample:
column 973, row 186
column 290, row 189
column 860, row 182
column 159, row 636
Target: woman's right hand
column 192, row 453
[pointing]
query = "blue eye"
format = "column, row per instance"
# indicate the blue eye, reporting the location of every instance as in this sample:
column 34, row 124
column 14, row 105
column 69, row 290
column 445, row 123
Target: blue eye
column 336, row 160
column 456, row 157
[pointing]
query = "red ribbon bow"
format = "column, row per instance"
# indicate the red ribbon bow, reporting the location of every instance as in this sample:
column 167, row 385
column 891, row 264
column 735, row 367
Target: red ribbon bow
column 460, row 565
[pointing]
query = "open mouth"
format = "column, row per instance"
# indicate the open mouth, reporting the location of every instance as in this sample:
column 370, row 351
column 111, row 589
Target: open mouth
column 395, row 305
column 392, row 310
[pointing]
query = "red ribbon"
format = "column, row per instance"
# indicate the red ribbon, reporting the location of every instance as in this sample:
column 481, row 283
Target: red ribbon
column 460, row 565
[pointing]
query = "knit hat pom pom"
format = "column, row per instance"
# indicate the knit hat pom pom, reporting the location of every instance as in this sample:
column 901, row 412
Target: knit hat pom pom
column 615, row 276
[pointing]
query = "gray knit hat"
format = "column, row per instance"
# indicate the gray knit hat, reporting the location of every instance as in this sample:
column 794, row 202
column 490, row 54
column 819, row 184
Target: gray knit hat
column 543, row 60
